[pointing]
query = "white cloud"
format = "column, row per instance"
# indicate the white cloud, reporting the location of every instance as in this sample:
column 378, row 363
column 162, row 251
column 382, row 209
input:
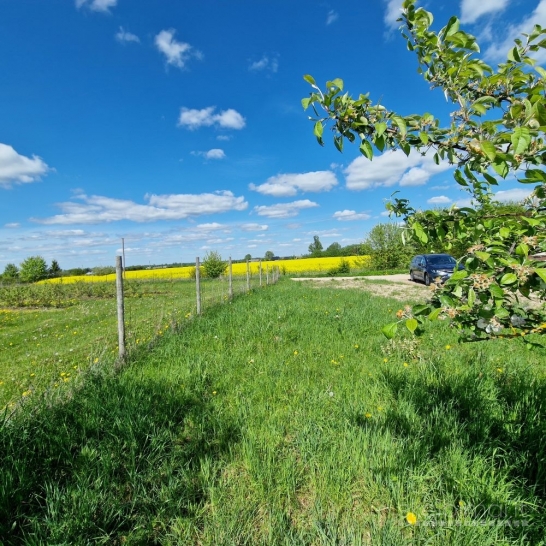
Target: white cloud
column 215, row 153
column 285, row 185
column 98, row 209
column 515, row 194
column 97, row 5
column 390, row 168
column 445, row 187
column 254, row 227
column 439, row 200
column 18, row 169
column 271, row 64
column 192, row 118
column 211, row 226
column 350, row 215
column 386, row 213
column 177, row 53
column 284, row 210
column 497, row 51
column 223, row 137
column 392, row 13
column 471, row 10
column 126, row 37
column 12, row 225
column 332, row 17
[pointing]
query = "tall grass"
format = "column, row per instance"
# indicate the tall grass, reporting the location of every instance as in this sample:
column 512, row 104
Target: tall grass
column 285, row 418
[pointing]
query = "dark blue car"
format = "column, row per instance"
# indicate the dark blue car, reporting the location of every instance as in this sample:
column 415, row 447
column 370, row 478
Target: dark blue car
column 428, row 267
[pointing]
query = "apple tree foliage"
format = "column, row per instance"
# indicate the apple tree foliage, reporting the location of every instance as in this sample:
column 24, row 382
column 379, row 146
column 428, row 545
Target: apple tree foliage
column 496, row 131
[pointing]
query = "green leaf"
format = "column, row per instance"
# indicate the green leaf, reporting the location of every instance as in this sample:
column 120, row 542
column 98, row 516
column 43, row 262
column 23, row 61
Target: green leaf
column 541, row 273
column 521, row 138
column 309, row 79
column 337, row 82
column 435, row 314
column 452, row 26
column 305, row 102
column 482, row 255
column 508, row 278
column 411, row 324
column 488, row 149
column 513, row 55
column 401, row 124
column 424, row 137
column 522, row 249
column 471, row 297
column 389, row 330
column 496, row 291
column 458, row 275
column 504, row 232
column 318, row 129
column 500, row 166
column 380, row 128
column 366, row 149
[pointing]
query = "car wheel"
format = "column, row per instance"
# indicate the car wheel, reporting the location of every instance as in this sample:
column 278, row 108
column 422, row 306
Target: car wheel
column 411, row 276
column 427, row 279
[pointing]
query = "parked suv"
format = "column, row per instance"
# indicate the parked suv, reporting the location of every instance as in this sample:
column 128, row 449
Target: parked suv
column 427, row 267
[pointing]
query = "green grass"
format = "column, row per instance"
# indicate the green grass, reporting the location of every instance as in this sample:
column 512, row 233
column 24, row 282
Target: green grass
column 44, row 348
column 285, row 418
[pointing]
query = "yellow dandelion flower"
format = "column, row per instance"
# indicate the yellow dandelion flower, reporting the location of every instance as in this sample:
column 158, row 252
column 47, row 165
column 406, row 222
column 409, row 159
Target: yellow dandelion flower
column 214, row 392
column 295, row 352
column 499, row 370
column 411, row 518
column 385, row 360
column 356, row 345
column 368, row 415
column 448, row 347
column 406, row 364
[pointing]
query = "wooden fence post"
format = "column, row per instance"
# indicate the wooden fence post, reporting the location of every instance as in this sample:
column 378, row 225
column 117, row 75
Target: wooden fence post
column 266, row 274
column 230, row 285
column 121, row 308
column 248, row 276
column 198, row 285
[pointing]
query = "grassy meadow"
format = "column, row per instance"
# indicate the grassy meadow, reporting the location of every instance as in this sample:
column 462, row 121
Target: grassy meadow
column 286, row 418
column 50, row 333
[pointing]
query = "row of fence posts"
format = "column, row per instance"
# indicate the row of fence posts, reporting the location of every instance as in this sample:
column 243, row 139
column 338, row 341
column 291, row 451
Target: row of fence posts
column 271, row 277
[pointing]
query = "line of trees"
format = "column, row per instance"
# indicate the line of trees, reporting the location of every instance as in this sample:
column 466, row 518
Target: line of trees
column 32, row 269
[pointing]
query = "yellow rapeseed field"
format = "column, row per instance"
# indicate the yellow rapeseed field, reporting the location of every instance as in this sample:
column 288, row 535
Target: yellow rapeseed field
column 298, row 266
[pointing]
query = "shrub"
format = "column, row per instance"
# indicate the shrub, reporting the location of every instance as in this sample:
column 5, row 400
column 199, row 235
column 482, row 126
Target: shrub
column 213, row 265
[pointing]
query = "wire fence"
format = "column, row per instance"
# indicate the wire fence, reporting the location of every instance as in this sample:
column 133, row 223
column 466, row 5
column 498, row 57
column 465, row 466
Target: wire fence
column 50, row 332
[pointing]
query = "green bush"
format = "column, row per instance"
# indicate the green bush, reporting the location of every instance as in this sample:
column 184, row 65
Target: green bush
column 213, row 265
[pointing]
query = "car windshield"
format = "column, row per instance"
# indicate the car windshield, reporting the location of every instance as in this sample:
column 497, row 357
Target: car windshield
column 441, row 260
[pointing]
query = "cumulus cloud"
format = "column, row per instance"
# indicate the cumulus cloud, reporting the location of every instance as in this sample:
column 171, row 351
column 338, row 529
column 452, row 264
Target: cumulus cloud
column 286, row 185
column 126, row 37
column 497, row 50
column 19, row 169
column 350, row 215
column 390, row 168
column 12, row 225
column 192, row 119
column 176, row 53
column 97, row 209
column 270, row 64
column 284, row 210
column 215, row 153
column 332, row 17
column 97, row 5
column 471, row 10
column 439, row 200
column 515, row 194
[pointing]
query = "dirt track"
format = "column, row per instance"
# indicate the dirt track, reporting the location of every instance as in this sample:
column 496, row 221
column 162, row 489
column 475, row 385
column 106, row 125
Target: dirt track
column 399, row 287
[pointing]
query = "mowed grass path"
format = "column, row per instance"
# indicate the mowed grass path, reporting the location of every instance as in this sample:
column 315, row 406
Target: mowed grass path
column 279, row 419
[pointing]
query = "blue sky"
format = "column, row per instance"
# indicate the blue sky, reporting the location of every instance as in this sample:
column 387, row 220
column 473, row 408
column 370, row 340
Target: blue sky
column 178, row 125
